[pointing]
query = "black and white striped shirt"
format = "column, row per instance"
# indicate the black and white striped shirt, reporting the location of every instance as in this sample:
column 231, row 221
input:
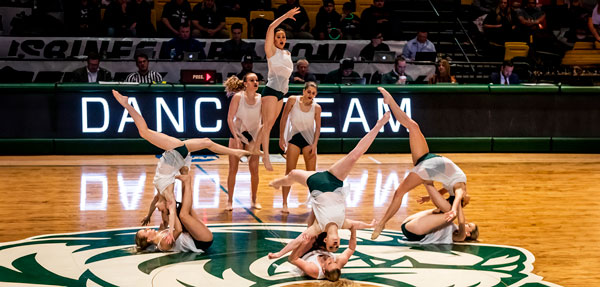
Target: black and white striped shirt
column 152, row 76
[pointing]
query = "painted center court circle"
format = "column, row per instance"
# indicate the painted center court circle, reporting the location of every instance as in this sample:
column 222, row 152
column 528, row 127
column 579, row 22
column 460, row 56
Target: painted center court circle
column 238, row 257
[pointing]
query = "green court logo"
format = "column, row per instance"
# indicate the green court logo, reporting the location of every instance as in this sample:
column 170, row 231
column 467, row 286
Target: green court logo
column 238, row 257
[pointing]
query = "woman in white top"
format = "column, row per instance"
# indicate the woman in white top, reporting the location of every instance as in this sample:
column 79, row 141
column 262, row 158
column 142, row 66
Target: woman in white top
column 312, row 261
column 189, row 233
column 243, row 119
column 327, row 194
column 299, row 132
column 175, row 157
column 280, row 69
column 594, row 22
column 432, row 227
column 428, row 167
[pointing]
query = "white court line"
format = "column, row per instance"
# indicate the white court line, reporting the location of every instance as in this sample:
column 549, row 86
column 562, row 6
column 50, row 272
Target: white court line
column 374, row 160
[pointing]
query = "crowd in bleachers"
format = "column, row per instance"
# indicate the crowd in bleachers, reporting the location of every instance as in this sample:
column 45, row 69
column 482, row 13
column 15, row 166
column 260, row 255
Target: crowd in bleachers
column 319, row 19
column 539, row 34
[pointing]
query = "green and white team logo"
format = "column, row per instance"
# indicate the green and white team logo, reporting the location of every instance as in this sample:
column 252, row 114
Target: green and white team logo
column 238, row 257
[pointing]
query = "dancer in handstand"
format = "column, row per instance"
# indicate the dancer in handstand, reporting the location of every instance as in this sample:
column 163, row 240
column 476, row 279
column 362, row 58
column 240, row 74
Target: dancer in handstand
column 176, row 156
column 328, row 195
column 428, row 167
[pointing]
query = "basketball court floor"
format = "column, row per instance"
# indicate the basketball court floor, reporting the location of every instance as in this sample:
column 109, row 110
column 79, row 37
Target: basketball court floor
column 70, row 221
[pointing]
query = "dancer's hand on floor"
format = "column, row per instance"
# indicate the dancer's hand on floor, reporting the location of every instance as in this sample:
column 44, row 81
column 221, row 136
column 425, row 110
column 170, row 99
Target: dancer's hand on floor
column 145, row 220
column 423, row 199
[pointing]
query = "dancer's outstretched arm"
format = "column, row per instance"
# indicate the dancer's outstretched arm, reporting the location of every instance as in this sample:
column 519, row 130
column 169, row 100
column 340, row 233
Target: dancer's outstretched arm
column 349, row 224
column 343, row 259
column 458, row 196
column 461, row 233
column 270, row 48
column 151, row 209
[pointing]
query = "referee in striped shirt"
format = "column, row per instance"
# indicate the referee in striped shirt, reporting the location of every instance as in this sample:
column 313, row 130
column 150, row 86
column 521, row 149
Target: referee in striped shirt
column 143, row 75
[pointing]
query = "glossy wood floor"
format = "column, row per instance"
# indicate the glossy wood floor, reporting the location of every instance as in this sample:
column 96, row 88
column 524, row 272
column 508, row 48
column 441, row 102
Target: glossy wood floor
column 545, row 203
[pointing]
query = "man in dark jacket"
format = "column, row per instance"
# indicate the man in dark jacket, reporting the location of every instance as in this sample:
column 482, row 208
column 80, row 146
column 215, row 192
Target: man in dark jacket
column 506, row 75
column 91, row 73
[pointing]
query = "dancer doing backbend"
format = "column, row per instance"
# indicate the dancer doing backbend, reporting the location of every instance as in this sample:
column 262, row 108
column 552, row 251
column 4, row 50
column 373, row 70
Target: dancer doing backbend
column 176, row 156
column 299, row 132
column 244, row 121
column 328, row 196
column 280, row 65
column 189, row 233
column 428, row 167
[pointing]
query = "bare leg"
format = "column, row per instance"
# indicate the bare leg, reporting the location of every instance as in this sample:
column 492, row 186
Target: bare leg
column 195, row 227
column 427, row 223
column 254, row 179
column 418, row 144
column 438, row 200
column 291, row 161
column 342, row 167
column 296, row 175
column 233, row 169
column 202, row 143
column 159, row 140
column 291, row 246
column 271, row 108
column 410, row 182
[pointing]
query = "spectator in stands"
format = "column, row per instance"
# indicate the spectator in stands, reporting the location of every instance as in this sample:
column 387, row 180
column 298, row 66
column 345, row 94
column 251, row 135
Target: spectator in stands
column 144, row 75
column 233, row 8
column 500, row 23
column 531, row 18
column 578, row 22
column 376, row 18
column 174, row 14
column 376, row 44
column 302, row 75
column 140, row 16
column 398, row 74
column 257, row 5
column 350, row 23
column 236, row 48
column 208, row 22
column 506, row 75
column 84, row 18
column 91, row 73
column 182, row 43
column 483, row 6
column 418, row 44
column 116, row 20
column 442, row 74
column 344, row 74
column 594, row 23
column 328, row 22
column 294, row 29
column 247, row 67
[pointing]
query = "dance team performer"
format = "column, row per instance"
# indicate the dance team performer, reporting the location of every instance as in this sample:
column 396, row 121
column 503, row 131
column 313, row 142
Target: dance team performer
column 428, row 167
column 189, row 233
column 244, row 120
column 299, row 132
column 280, row 65
column 176, row 156
column 328, row 194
